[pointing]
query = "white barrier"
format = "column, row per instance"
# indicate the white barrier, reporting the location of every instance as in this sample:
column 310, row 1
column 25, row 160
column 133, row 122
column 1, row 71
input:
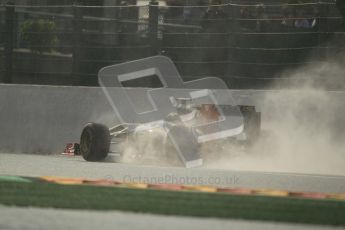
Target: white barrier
column 42, row 119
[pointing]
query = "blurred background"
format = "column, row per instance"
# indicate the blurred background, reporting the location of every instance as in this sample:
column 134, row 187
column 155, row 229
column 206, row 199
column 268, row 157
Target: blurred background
column 249, row 44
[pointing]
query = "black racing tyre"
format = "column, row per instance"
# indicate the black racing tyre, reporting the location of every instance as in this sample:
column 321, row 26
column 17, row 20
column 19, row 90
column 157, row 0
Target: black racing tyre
column 95, row 142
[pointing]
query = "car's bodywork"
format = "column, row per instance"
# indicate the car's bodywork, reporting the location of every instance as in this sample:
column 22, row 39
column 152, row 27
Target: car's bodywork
column 184, row 114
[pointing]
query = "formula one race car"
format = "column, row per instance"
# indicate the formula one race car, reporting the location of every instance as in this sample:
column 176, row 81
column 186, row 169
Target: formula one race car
column 186, row 116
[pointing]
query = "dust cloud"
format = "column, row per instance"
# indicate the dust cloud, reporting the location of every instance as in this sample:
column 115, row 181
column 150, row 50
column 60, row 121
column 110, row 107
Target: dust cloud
column 149, row 147
column 303, row 126
column 303, row 129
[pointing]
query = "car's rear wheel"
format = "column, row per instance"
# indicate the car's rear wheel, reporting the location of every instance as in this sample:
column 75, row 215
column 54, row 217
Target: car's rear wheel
column 95, row 142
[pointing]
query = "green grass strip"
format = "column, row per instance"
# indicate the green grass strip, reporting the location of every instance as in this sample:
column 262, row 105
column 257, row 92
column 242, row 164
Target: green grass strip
column 325, row 212
column 13, row 178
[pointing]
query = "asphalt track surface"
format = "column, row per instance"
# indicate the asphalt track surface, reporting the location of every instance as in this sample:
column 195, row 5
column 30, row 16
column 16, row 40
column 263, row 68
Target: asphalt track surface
column 39, row 218
column 76, row 167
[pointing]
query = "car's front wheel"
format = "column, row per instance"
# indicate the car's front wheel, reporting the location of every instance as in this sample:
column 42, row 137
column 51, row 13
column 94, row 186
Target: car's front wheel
column 95, row 142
